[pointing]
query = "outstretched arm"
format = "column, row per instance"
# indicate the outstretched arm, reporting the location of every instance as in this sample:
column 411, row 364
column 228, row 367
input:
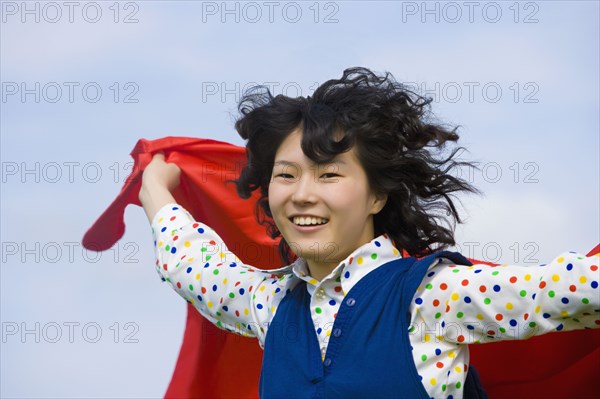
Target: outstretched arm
column 481, row 303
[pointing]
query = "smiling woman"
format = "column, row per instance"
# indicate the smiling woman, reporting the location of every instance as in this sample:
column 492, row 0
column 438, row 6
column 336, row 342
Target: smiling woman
column 356, row 184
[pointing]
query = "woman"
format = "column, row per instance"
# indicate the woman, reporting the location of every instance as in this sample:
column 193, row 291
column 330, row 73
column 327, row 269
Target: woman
column 350, row 179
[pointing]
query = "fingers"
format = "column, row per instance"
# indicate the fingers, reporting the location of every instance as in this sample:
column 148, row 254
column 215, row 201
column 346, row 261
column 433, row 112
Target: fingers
column 159, row 155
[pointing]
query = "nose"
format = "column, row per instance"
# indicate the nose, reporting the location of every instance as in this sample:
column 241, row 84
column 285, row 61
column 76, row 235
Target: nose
column 304, row 190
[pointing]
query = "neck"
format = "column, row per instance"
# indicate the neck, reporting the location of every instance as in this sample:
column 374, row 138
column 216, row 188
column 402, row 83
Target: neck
column 318, row 270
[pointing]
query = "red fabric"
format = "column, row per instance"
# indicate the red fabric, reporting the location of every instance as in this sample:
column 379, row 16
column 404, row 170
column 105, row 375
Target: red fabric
column 216, row 364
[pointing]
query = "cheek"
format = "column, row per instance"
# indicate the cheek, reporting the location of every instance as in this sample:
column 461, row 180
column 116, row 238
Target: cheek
column 271, row 201
column 350, row 203
column 274, row 199
column 346, row 196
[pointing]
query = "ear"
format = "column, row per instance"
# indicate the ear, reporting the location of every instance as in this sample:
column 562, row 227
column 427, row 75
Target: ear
column 379, row 201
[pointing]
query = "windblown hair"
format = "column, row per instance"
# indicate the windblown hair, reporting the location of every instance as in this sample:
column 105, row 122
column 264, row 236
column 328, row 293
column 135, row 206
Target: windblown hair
column 397, row 144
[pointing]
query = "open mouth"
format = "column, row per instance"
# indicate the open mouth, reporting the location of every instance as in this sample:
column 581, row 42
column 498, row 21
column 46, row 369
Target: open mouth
column 308, row 221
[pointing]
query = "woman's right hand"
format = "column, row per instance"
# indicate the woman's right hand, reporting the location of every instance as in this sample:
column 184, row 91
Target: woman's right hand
column 159, row 179
column 159, row 173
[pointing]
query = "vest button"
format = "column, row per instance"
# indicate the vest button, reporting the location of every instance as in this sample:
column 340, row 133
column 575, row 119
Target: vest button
column 351, row 302
column 337, row 332
column 327, row 362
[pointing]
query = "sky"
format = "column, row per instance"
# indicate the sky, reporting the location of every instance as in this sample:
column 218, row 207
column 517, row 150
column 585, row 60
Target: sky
column 83, row 81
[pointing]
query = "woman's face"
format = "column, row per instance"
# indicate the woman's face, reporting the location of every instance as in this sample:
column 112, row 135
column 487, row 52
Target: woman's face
column 324, row 211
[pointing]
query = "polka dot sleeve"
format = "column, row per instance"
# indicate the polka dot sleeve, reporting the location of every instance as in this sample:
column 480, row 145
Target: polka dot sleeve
column 195, row 261
column 481, row 303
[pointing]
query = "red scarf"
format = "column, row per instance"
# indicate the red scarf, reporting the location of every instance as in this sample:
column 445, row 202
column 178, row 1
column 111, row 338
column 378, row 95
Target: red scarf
column 536, row 368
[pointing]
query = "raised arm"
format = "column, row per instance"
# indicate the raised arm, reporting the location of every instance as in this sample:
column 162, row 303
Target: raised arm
column 481, row 303
column 195, row 261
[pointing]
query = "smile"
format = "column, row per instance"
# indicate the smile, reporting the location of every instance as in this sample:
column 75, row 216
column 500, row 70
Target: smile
column 308, row 220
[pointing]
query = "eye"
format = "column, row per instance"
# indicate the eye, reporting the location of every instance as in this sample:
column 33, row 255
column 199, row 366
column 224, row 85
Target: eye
column 285, row 176
column 329, row 175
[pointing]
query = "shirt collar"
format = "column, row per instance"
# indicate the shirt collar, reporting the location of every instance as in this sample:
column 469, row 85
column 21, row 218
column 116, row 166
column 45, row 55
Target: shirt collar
column 358, row 264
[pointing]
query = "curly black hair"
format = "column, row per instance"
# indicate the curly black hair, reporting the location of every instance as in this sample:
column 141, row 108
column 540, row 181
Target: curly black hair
column 397, row 143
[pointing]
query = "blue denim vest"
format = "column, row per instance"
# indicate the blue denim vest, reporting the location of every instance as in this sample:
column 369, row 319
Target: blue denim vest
column 368, row 343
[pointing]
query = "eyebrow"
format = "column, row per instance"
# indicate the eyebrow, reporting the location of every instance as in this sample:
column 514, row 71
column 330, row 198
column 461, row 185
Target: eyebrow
column 288, row 163
column 283, row 162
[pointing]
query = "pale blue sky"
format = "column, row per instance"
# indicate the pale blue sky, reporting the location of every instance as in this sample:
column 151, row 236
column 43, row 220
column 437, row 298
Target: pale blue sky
column 185, row 63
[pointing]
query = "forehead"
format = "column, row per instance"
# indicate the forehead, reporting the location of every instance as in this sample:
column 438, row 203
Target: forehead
column 290, row 145
column 290, row 152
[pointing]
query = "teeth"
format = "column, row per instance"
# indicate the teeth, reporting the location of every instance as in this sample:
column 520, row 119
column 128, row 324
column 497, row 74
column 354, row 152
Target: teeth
column 307, row 221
